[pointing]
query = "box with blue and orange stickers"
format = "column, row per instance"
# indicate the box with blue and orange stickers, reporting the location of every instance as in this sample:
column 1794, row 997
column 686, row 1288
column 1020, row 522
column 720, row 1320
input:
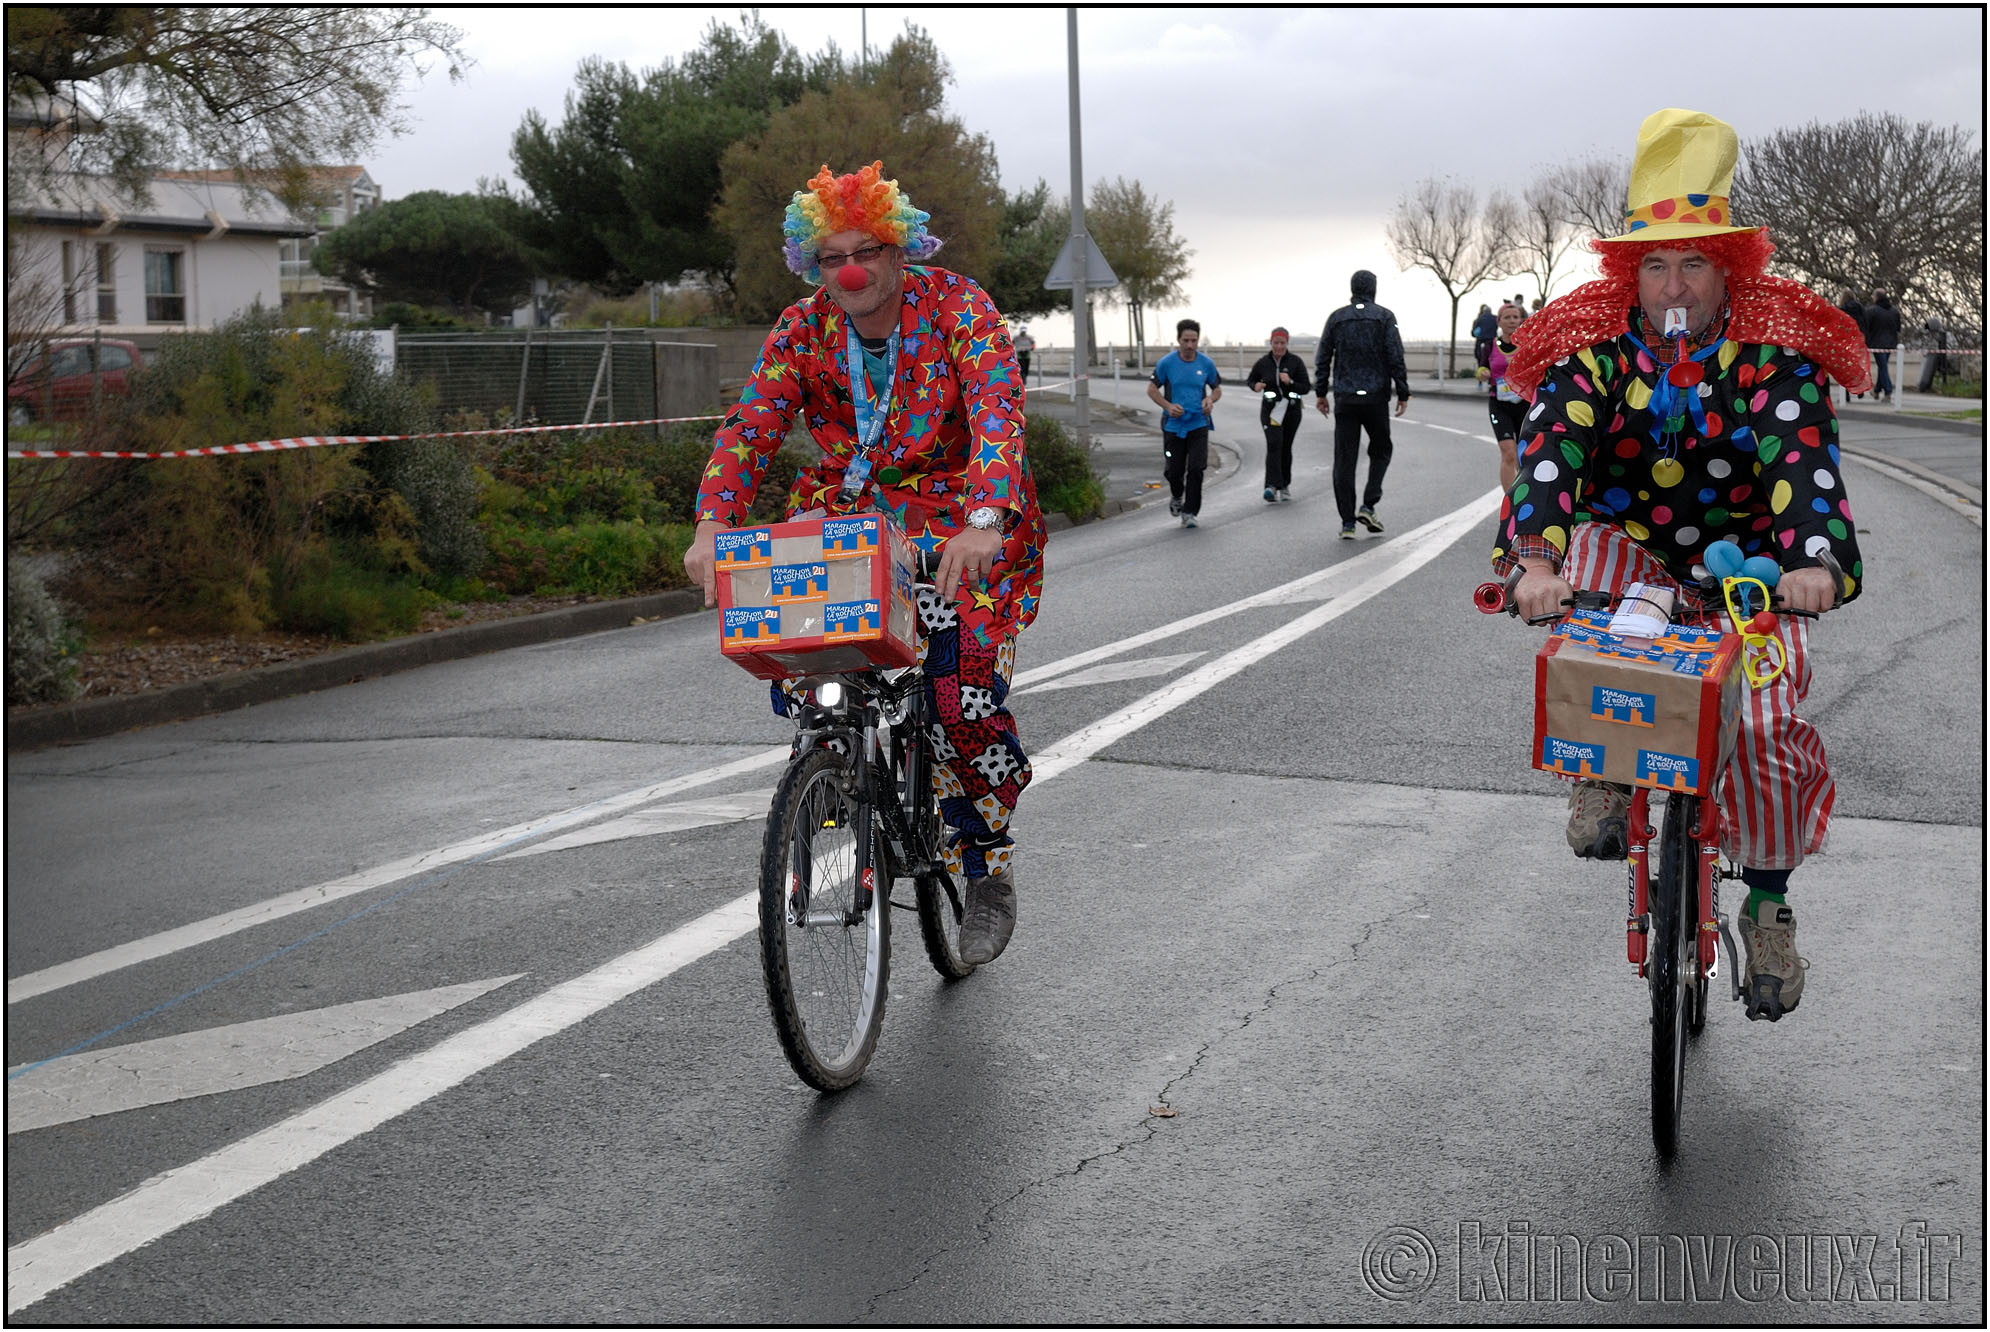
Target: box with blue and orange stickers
column 816, row 596
column 1661, row 713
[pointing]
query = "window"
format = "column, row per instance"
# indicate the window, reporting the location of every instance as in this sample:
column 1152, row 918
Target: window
column 113, row 357
column 68, row 282
column 71, row 360
column 106, row 284
column 165, row 292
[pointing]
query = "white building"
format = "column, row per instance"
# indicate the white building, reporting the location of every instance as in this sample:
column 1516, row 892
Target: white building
column 197, row 253
column 339, row 194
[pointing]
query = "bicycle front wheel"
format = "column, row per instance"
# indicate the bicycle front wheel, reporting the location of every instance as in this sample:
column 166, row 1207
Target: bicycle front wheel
column 825, row 937
column 1673, row 942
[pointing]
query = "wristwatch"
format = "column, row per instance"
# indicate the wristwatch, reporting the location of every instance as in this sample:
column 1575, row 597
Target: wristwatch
column 985, row 519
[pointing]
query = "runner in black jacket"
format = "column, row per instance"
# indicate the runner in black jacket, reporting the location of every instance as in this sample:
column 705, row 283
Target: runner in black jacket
column 1360, row 353
column 1279, row 380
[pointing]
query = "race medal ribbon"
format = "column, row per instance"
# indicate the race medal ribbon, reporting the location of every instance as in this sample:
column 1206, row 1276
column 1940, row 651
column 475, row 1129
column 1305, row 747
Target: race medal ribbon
column 870, row 420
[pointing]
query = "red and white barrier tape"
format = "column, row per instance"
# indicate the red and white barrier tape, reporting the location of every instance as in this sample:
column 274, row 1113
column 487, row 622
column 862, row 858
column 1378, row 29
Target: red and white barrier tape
column 320, row 441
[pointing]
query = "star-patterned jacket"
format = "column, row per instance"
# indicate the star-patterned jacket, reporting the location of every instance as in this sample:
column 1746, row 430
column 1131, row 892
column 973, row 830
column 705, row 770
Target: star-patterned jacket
column 953, row 442
column 1757, row 463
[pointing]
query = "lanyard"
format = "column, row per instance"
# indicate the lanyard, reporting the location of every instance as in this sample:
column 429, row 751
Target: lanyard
column 870, row 420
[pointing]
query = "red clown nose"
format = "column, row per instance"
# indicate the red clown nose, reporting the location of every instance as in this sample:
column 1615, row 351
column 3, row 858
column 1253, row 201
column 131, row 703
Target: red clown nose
column 851, row 276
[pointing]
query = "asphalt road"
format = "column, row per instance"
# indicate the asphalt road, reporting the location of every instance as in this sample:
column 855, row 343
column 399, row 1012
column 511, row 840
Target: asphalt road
column 1308, row 897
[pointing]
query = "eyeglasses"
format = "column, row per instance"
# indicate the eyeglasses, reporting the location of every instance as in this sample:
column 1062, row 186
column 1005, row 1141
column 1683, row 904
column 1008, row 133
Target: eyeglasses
column 831, row 262
column 1748, row 606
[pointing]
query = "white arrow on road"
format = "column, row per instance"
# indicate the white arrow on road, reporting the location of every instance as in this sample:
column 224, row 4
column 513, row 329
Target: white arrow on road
column 200, row 1063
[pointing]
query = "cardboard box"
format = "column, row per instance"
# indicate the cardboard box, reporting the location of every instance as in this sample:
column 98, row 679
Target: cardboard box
column 817, row 596
column 1661, row 713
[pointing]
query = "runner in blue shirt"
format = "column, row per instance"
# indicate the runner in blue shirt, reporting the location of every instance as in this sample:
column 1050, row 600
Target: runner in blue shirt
column 1186, row 385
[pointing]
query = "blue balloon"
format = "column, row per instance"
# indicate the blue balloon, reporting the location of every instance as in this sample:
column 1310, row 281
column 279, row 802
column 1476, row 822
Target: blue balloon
column 1762, row 567
column 1723, row 559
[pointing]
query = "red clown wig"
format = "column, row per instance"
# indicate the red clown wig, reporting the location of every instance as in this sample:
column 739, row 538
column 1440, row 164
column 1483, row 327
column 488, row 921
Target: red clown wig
column 1764, row 309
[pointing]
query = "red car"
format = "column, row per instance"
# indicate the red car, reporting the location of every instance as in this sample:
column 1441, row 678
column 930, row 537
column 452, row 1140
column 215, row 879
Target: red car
column 56, row 383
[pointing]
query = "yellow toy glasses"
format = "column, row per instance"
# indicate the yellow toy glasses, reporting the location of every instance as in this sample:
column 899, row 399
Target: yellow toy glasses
column 1748, row 607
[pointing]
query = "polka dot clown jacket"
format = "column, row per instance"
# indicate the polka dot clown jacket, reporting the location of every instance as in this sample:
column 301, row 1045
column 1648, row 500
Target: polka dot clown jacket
column 953, row 441
column 1745, row 448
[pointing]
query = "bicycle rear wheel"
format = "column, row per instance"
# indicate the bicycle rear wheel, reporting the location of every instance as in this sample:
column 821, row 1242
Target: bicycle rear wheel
column 1674, row 927
column 825, row 937
column 942, row 901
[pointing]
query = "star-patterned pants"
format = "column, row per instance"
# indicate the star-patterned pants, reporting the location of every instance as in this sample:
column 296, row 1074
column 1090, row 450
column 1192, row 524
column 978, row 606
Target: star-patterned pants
column 979, row 767
column 1776, row 797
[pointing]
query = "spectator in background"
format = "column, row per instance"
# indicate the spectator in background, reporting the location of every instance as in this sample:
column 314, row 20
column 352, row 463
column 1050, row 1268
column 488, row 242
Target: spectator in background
column 1882, row 338
column 1854, row 307
column 1484, row 329
column 1505, row 407
column 1024, row 345
column 1185, row 387
column 1280, row 380
column 1360, row 353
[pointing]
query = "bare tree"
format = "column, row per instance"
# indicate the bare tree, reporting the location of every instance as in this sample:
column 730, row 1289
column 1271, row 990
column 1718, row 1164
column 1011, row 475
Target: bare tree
column 1540, row 238
column 265, row 90
column 1136, row 233
column 1438, row 227
column 1874, row 202
column 1589, row 195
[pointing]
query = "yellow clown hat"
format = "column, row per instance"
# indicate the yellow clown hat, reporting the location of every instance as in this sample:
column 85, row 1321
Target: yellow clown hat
column 1681, row 178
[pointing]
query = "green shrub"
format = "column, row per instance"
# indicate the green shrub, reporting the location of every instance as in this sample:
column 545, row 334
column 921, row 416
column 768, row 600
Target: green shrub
column 594, row 558
column 1066, row 481
column 210, row 542
column 41, row 643
column 335, row 592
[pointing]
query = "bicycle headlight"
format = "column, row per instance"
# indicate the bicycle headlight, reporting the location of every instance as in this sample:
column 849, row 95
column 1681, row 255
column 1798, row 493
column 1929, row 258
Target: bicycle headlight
column 829, row 695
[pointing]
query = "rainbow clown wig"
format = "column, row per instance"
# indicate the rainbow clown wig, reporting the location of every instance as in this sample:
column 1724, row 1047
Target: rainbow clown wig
column 861, row 201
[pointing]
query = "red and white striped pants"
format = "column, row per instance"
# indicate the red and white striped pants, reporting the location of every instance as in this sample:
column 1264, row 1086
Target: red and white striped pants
column 1777, row 792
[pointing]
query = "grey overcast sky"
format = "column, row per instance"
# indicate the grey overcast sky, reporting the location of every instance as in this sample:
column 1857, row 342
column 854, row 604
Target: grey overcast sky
column 1282, row 136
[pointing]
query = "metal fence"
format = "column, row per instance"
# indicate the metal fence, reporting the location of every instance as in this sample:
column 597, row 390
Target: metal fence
column 551, row 377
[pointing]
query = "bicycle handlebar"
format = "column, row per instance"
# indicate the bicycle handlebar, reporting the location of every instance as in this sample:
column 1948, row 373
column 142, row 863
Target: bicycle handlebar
column 1492, row 598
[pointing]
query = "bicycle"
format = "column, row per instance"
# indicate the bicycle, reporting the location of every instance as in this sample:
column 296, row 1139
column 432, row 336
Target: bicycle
column 1676, row 950
column 854, row 812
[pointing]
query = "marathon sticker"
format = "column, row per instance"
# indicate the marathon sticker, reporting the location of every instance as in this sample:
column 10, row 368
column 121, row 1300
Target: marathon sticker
column 1693, row 664
column 750, row 624
column 744, row 548
column 1668, row 772
column 843, row 537
column 1571, row 758
column 1621, row 705
column 798, row 582
column 845, row 620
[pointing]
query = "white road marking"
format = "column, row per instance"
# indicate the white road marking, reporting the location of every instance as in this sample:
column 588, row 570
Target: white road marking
column 243, row 1054
column 1410, row 553
column 261, row 913
column 680, row 817
column 1113, row 672
column 184, row 1195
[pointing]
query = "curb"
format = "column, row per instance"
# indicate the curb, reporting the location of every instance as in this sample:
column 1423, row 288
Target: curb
column 92, row 718
column 1888, row 415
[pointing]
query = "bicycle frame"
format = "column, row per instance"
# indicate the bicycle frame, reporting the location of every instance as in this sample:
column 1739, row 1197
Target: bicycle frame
column 1706, row 835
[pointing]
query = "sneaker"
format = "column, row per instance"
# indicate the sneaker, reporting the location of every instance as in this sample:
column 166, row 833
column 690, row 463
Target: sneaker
column 1599, row 820
column 1772, row 974
column 990, row 917
column 1270, row 495
column 1347, row 532
column 1174, row 508
column 1366, row 517
column 1285, row 497
column 1188, row 520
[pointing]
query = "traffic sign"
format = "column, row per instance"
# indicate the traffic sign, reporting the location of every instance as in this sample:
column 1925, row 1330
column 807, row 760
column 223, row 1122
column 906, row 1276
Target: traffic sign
column 1098, row 273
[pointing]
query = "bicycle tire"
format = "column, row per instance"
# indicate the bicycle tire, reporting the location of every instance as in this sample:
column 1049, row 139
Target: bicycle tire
column 942, row 899
column 1673, row 930
column 827, row 974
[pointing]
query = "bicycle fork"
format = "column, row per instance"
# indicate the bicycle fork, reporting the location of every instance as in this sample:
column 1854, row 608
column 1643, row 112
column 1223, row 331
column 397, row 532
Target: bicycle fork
column 1638, row 907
